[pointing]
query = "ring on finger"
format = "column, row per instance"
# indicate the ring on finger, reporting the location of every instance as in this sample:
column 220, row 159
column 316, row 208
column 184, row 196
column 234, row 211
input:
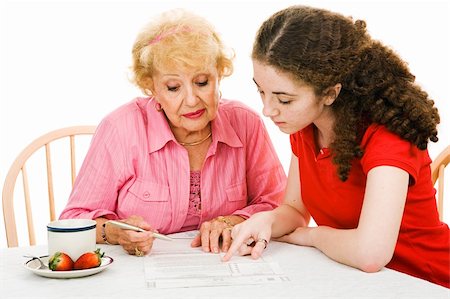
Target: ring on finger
column 250, row 242
column 137, row 252
column 264, row 241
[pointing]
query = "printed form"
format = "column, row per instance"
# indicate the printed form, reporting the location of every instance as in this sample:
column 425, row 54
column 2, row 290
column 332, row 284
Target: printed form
column 176, row 265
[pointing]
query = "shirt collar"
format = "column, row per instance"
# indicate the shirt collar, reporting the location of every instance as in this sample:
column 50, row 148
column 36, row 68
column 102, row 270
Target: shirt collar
column 308, row 137
column 159, row 132
column 223, row 131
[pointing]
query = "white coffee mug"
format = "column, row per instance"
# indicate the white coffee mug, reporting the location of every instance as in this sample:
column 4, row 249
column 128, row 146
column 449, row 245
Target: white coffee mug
column 71, row 236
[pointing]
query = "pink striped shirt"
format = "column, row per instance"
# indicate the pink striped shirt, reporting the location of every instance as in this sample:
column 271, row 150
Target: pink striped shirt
column 135, row 166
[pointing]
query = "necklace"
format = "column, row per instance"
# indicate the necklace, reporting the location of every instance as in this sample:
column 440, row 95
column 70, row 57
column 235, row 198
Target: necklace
column 195, row 142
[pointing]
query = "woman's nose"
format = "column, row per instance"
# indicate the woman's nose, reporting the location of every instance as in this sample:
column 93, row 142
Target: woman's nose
column 191, row 98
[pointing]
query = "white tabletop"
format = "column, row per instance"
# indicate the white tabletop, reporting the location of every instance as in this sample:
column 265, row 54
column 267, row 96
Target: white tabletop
column 312, row 275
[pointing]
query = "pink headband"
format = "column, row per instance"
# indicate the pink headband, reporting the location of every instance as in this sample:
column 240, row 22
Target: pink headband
column 161, row 36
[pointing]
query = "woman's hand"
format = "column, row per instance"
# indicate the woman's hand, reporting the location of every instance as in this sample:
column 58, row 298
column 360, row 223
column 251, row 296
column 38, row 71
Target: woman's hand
column 251, row 236
column 215, row 235
column 135, row 243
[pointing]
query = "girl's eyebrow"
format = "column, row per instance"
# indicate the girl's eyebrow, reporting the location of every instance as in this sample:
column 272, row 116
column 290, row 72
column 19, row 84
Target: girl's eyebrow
column 283, row 93
column 278, row 92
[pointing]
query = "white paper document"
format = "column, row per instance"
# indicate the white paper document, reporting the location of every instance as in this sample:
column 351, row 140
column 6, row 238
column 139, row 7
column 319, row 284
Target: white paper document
column 192, row 267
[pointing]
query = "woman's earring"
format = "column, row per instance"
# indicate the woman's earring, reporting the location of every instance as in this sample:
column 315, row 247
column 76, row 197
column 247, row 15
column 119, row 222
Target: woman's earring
column 158, row 107
column 220, row 94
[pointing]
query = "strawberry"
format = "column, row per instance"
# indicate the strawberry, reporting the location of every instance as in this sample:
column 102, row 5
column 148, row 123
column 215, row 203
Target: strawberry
column 89, row 260
column 60, row 262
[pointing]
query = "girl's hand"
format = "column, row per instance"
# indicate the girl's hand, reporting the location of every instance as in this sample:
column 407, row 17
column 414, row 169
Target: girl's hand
column 300, row 236
column 251, row 236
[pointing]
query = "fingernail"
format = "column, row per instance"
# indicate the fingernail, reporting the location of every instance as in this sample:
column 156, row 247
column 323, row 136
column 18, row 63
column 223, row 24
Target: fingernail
column 216, row 250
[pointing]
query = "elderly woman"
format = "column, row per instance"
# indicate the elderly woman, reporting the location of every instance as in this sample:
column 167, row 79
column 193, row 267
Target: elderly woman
column 182, row 158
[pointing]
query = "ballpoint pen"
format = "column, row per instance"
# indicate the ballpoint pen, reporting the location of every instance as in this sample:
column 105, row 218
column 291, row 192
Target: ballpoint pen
column 124, row 225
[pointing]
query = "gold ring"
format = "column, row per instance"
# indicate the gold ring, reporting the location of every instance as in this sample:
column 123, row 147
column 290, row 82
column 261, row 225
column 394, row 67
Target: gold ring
column 137, row 252
column 264, row 241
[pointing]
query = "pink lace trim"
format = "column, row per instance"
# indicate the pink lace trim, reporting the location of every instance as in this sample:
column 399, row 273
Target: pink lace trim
column 195, row 204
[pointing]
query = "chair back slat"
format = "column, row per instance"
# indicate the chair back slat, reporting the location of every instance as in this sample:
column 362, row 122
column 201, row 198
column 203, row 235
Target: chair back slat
column 72, row 158
column 51, row 194
column 28, row 210
column 18, row 166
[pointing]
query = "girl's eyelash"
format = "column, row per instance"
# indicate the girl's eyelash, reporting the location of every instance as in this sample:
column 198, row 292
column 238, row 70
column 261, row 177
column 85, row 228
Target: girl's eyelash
column 280, row 101
column 284, row 102
column 204, row 83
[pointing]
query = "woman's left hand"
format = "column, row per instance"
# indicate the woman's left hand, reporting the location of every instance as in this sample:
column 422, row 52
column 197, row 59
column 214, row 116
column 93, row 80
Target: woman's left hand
column 215, row 235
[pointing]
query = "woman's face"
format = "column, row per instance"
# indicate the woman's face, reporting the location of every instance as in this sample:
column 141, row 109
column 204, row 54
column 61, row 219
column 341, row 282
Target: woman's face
column 291, row 105
column 188, row 97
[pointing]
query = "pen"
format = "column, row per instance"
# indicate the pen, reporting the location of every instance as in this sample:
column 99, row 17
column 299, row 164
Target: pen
column 123, row 225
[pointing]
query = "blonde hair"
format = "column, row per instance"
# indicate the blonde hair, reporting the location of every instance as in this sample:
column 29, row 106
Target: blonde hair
column 178, row 39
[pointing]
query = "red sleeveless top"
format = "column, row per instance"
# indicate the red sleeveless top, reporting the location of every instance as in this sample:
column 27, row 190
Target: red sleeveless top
column 423, row 245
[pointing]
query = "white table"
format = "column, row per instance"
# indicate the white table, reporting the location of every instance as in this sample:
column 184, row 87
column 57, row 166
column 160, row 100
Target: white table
column 312, row 275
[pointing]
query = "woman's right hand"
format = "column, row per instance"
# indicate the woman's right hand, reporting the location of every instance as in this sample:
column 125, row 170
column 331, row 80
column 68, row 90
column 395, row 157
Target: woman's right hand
column 135, row 243
column 251, row 236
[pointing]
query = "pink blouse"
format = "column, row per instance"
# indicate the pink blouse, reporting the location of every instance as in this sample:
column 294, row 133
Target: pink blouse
column 195, row 203
column 135, row 166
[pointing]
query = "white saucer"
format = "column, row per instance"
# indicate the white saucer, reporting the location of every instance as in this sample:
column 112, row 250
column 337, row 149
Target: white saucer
column 33, row 266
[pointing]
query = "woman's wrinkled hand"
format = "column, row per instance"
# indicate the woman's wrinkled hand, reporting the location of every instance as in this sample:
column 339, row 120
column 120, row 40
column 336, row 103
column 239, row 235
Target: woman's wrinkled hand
column 215, row 235
column 135, row 243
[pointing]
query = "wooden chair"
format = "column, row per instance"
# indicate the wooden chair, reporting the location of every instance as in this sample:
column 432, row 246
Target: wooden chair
column 19, row 166
column 437, row 175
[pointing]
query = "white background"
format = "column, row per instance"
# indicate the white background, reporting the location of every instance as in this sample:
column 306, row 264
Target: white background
column 65, row 63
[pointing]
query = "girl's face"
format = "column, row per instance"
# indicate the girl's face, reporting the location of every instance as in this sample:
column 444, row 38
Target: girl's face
column 189, row 98
column 292, row 105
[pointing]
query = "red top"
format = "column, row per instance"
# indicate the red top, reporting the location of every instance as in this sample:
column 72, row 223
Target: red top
column 423, row 245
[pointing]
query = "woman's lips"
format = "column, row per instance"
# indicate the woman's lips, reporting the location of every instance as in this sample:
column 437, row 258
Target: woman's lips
column 195, row 114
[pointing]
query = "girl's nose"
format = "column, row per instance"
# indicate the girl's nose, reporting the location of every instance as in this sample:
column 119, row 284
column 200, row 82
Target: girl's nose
column 268, row 110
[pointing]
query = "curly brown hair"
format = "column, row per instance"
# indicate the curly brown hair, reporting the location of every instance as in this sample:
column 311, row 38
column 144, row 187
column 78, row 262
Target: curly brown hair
column 323, row 48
